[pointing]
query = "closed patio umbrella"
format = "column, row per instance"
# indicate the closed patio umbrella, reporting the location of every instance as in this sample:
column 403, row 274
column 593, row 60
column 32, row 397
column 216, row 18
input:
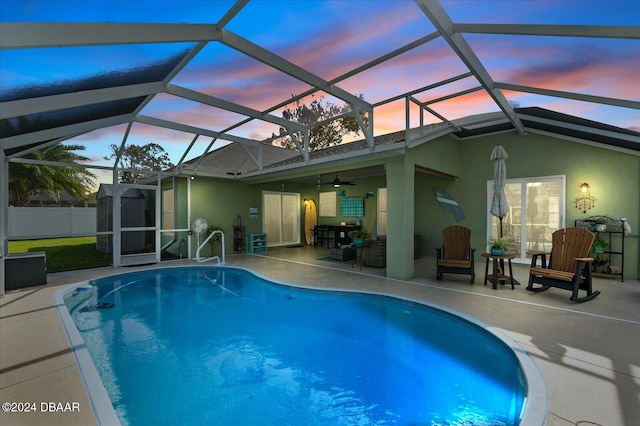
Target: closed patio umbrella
column 499, row 204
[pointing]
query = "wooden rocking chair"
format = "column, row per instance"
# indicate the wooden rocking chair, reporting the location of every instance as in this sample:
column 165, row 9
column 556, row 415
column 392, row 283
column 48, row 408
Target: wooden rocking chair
column 569, row 265
column 456, row 255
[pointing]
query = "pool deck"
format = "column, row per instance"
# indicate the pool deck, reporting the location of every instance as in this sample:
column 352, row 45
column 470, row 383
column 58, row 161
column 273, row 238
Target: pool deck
column 589, row 353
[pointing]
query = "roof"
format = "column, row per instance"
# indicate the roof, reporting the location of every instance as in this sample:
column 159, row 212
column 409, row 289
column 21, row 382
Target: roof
column 236, row 159
column 535, row 120
column 106, row 191
column 201, row 77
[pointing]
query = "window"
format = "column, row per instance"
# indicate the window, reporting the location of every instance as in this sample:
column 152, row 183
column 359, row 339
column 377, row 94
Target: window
column 382, row 211
column 536, row 210
column 327, row 204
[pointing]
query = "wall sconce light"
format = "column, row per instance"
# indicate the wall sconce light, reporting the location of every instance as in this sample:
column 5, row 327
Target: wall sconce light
column 306, row 201
column 584, row 187
column 192, row 177
column 585, row 201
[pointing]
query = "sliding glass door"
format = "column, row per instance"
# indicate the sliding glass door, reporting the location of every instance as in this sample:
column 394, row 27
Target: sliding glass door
column 536, row 210
column 281, row 218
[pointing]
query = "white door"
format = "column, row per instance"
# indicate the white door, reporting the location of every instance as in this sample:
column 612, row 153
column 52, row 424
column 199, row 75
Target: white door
column 281, row 218
column 139, row 224
column 536, row 210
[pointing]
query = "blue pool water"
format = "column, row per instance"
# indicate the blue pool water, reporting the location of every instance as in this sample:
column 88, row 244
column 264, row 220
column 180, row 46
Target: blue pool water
column 211, row 345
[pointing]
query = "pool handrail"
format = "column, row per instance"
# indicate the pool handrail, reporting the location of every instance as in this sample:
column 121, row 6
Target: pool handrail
column 206, row 259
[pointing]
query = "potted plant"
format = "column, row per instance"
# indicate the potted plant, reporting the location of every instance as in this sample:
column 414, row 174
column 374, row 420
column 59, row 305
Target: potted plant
column 216, row 239
column 359, row 237
column 599, row 245
column 498, row 246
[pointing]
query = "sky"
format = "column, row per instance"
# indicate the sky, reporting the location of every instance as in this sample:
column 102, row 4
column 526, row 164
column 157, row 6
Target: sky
column 330, row 38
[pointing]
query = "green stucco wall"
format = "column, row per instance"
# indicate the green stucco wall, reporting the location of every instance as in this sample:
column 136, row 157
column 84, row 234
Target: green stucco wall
column 614, row 178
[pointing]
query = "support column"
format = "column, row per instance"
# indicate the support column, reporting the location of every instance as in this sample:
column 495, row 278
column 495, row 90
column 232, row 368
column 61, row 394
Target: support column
column 4, row 217
column 400, row 218
column 116, row 212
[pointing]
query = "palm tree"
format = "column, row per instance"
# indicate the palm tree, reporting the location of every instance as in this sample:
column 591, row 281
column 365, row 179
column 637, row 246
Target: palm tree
column 28, row 179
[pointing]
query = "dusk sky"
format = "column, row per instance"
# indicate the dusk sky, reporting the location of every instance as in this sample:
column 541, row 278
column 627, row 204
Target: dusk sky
column 330, row 38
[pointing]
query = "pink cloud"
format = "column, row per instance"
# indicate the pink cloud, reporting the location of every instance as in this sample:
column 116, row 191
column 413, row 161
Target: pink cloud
column 221, row 72
column 584, row 66
column 242, row 80
column 344, row 43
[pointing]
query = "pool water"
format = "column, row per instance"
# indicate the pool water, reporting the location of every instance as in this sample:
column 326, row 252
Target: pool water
column 212, row 345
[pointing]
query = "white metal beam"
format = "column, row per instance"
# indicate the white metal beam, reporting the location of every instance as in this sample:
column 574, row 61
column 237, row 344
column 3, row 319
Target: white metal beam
column 439, row 18
column 366, row 131
column 62, row 132
column 432, row 112
column 186, row 152
column 259, row 162
column 570, row 95
column 230, row 106
column 38, row 147
column 365, row 67
column 231, row 13
column 424, row 88
column 193, row 129
column 205, row 152
column 23, row 35
column 76, row 99
column 386, row 57
column 253, row 50
column 120, row 150
column 452, row 95
column 590, row 31
column 301, row 145
column 174, row 72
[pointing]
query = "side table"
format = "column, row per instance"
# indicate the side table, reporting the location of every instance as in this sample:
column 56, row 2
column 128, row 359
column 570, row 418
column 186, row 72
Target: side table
column 360, row 256
column 498, row 270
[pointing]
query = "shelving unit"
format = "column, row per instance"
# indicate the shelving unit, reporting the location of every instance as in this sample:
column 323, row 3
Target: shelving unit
column 238, row 236
column 612, row 231
column 256, row 243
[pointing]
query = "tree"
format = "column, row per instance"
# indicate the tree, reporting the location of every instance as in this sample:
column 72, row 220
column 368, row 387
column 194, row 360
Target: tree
column 148, row 157
column 28, row 179
column 326, row 134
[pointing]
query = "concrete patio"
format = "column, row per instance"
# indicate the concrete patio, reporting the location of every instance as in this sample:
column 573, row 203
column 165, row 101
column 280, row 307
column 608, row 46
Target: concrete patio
column 589, row 353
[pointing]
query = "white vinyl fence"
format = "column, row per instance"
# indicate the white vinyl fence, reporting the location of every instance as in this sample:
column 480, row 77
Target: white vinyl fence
column 50, row 222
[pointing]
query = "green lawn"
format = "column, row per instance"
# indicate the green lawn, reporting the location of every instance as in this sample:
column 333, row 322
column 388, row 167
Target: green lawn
column 65, row 254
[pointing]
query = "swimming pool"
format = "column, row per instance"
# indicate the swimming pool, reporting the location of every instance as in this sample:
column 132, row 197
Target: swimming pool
column 212, row 345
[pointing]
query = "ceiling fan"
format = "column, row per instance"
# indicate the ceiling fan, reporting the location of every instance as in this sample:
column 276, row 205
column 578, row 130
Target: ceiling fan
column 337, row 182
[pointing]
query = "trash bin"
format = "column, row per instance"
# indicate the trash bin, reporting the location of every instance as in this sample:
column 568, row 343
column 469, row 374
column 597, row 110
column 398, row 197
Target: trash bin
column 25, row 270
